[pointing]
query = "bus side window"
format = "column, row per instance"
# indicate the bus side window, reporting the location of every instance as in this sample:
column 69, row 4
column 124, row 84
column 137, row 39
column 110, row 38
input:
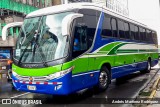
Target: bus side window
column 114, row 27
column 148, row 36
column 144, row 34
column 80, row 40
column 83, row 34
column 106, row 28
column 132, row 30
column 136, row 33
column 121, row 29
column 126, row 27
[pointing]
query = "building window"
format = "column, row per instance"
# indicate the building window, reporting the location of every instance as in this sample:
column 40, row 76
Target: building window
column 38, row 3
column 43, row 3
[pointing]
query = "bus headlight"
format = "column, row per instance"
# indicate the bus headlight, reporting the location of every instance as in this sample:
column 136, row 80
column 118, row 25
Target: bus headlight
column 59, row 74
column 14, row 73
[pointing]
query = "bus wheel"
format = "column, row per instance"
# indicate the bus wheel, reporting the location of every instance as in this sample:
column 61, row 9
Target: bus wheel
column 104, row 79
column 148, row 69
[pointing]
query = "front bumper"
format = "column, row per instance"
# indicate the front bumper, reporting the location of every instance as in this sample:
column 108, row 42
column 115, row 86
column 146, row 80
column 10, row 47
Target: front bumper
column 60, row 86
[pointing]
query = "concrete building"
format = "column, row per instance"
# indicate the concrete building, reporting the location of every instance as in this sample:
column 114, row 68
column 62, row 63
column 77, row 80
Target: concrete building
column 119, row 6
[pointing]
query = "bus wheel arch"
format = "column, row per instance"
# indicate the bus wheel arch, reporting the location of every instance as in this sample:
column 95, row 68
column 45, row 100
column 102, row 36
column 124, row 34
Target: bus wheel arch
column 108, row 66
column 104, row 78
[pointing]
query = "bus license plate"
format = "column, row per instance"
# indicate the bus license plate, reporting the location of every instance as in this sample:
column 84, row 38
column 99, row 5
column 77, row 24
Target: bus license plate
column 31, row 87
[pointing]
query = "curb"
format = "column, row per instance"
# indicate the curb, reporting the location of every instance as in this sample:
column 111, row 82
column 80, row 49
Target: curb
column 153, row 92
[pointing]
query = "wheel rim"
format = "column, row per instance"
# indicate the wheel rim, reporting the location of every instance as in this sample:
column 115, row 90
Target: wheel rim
column 103, row 79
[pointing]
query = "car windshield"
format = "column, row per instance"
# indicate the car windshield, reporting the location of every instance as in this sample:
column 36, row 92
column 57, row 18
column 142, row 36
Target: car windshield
column 41, row 39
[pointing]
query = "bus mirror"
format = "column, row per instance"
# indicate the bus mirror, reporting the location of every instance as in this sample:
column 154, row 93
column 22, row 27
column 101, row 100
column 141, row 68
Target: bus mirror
column 6, row 27
column 67, row 21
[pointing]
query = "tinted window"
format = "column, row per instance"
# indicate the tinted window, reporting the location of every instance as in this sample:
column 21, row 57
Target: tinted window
column 144, row 35
column 114, row 27
column 132, row 31
column 136, row 33
column 152, row 38
column 148, row 35
column 106, row 29
column 126, row 30
column 121, row 29
column 90, row 12
column 141, row 34
column 155, row 38
column 84, row 31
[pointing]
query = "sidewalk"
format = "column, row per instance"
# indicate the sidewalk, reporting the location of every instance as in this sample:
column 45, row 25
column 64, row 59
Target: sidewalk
column 157, row 95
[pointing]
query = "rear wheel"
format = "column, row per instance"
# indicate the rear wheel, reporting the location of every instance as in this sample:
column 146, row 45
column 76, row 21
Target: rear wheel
column 148, row 69
column 104, row 79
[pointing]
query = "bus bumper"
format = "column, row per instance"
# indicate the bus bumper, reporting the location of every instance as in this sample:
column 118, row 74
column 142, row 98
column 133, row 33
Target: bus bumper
column 60, row 86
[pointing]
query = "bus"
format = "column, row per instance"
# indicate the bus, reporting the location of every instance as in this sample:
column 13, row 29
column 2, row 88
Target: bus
column 67, row 48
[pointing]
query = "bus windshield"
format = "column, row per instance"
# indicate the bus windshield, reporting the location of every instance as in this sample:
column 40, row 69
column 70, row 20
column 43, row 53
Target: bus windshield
column 41, row 39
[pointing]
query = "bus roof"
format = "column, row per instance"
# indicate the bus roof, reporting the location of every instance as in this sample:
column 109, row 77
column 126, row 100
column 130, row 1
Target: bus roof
column 71, row 6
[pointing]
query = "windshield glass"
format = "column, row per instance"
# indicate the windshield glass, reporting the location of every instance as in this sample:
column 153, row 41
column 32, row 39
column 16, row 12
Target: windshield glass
column 41, row 39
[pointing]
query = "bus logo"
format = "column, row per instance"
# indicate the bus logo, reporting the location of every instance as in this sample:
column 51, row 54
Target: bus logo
column 30, row 79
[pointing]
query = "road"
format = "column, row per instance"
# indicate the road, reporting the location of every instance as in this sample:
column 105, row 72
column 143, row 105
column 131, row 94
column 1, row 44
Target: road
column 128, row 87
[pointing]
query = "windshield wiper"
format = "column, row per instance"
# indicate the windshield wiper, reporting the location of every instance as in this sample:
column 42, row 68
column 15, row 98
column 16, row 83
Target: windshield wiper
column 24, row 51
column 42, row 55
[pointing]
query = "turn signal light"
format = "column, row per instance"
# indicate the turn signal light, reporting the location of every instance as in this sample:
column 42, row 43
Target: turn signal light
column 9, row 62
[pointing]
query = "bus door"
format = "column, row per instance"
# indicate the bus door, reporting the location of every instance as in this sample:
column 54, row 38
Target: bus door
column 84, row 30
column 80, row 59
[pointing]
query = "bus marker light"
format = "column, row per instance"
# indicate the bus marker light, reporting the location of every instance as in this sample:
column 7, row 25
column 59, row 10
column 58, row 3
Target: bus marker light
column 91, row 75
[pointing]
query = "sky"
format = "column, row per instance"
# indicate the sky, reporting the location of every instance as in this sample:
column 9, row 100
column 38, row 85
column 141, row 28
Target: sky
column 146, row 12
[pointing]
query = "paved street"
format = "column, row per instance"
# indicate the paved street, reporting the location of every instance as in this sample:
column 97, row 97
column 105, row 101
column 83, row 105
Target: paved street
column 128, row 87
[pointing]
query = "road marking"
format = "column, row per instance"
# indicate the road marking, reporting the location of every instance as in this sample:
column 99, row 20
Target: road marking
column 20, row 95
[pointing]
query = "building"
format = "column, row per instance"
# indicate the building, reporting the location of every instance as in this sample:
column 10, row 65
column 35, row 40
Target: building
column 119, row 6
column 15, row 11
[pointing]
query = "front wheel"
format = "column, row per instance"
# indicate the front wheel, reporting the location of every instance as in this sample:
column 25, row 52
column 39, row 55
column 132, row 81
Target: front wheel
column 104, row 79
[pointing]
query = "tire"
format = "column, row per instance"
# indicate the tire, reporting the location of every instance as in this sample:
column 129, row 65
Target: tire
column 103, row 80
column 148, row 69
